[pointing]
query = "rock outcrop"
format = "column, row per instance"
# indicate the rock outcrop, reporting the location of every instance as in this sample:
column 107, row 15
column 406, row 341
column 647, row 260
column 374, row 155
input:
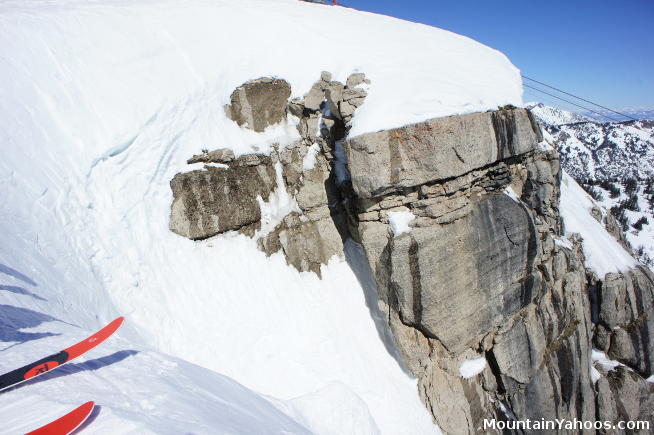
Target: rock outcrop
column 232, row 196
column 482, row 273
column 259, row 103
column 479, row 275
column 624, row 323
column 216, row 200
column 623, row 396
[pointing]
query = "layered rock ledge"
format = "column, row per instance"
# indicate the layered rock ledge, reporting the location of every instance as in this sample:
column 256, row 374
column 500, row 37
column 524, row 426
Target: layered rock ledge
column 476, row 273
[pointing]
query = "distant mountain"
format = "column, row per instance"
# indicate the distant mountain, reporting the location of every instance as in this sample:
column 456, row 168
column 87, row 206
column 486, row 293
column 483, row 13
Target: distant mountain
column 633, row 112
column 599, row 150
column 614, row 162
column 552, row 116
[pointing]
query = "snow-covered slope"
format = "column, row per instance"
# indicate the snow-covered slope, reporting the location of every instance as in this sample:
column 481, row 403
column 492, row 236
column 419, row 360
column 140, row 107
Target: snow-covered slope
column 599, row 150
column 553, row 116
column 614, row 161
column 102, row 103
column 602, row 251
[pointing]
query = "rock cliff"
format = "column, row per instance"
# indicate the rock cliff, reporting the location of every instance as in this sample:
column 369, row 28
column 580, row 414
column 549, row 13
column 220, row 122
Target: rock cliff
column 475, row 273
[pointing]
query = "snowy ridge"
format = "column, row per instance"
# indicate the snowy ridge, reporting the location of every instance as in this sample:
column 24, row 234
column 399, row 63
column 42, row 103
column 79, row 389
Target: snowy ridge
column 614, row 153
column 554, row 116
column 599, row 150
column 107, row 101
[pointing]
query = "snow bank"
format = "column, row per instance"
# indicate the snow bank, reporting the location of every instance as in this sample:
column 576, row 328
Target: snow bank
column 107, row 101
column 118, row 66
column 399, row 221
column 603, row 253
column 472, row 367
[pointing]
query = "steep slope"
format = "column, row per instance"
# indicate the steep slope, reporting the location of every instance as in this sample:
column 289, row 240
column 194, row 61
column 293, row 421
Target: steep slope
column 614, row 161
column 107, row 101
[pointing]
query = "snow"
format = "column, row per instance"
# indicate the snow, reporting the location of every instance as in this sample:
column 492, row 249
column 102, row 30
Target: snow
column 602, row 251
column 598, row 150
column 600, row 358
column 608, row 151
column 108, row 99
column 216, row 165
column 154, row 57
column 555, row 116
column 472, row 367
column 399, row 221
column 595, row 375
column 309, row 161
column 545, row 146
column 137, row 391
column 563, row 242
column 279, row 204
column 511, row 194
column 643, row 238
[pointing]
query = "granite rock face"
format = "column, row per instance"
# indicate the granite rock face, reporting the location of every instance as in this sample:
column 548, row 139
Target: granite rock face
column 437, row 149
column 479, row 275
column 484, row 273
column 454, row 280
column 622, row 395
column 624, row 323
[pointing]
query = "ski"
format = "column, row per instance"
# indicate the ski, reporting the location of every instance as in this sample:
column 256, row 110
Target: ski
column 51, row 362
column 68, row 423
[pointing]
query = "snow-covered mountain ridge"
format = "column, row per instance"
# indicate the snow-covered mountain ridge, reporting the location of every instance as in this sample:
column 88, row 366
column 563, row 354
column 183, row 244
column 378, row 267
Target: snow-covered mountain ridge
column 614, row 161
column 599, row 150
column 641, row 113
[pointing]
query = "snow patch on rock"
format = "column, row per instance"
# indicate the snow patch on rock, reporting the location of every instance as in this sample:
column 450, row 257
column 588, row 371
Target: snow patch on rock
column 472, row 367
column 399, row 221
column 309, row 161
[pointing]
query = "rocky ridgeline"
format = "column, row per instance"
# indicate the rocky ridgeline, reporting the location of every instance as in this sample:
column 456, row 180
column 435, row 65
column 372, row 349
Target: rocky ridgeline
column 483, row 274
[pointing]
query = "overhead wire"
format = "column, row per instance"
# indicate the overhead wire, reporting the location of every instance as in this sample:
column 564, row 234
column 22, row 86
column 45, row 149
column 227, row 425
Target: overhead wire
column 552, row 102
column 579, row 98
column 569, row 102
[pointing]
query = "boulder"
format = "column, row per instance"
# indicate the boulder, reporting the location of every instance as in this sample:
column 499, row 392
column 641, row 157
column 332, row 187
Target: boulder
column 259, row 103
column 216, row 200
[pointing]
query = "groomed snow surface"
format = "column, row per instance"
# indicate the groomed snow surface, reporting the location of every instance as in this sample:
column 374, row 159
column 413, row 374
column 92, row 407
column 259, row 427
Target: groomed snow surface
column 102, row 103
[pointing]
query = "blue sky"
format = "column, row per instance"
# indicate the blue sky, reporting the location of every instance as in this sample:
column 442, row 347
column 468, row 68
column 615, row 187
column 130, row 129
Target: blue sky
column 600, row 50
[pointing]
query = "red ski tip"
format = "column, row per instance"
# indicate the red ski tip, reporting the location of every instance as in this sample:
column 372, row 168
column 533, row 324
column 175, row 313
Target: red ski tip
column 56, row 360
column 68, row 423
column 84, row 346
